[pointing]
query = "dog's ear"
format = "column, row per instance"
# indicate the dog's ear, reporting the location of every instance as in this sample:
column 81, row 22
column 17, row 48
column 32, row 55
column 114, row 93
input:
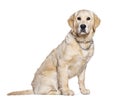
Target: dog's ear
column 71, row 21
column 96, row 22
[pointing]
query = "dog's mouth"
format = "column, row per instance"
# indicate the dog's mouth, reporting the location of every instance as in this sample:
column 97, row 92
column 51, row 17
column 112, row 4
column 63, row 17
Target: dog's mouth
column 82, row 32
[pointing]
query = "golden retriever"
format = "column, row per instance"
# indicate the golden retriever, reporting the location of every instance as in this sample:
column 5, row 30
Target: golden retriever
column 69, row 59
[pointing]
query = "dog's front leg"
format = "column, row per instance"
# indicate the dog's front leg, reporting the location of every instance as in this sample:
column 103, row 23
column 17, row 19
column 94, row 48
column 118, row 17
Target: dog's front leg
column 63, row 80
column 81, row 82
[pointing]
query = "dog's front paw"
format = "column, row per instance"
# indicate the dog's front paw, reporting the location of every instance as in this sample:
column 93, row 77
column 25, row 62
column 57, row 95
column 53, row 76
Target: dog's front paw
column 68, row 92
column 85, row 91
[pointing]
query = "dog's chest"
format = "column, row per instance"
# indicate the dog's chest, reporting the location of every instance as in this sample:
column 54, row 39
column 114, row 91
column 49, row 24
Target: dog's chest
column 79, row 61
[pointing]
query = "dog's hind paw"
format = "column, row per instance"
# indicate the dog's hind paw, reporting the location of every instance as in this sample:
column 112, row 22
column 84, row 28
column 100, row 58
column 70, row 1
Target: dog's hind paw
column 68, row 92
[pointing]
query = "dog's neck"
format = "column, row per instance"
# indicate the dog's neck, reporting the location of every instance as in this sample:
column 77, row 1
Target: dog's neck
column 85, row 41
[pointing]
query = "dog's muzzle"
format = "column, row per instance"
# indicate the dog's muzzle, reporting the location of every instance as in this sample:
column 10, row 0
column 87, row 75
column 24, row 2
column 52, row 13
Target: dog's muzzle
column 82, row 30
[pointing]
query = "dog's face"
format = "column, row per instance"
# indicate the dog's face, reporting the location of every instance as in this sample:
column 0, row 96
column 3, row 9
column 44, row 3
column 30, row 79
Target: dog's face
column 83, row 22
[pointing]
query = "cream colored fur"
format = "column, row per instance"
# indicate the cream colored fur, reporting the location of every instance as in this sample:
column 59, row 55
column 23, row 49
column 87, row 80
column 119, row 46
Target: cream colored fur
column 69, row 59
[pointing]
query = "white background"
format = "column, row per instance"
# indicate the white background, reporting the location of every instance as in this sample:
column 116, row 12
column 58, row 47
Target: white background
column 30, row 29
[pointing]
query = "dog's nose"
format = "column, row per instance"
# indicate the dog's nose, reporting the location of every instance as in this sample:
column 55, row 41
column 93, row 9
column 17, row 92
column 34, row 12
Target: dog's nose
column 82, row 26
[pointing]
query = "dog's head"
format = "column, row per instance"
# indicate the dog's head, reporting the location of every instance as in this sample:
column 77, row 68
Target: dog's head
column 83, row 22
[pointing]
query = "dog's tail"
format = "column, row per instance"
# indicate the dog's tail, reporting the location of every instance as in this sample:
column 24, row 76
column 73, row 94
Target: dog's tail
column 24, row 92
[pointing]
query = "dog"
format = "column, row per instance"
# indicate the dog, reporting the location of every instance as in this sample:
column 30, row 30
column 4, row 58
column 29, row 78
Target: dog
column 69, row 59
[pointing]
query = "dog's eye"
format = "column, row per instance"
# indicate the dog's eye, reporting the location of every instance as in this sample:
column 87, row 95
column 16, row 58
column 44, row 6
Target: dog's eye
column 88, row 18
column 78, row 18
